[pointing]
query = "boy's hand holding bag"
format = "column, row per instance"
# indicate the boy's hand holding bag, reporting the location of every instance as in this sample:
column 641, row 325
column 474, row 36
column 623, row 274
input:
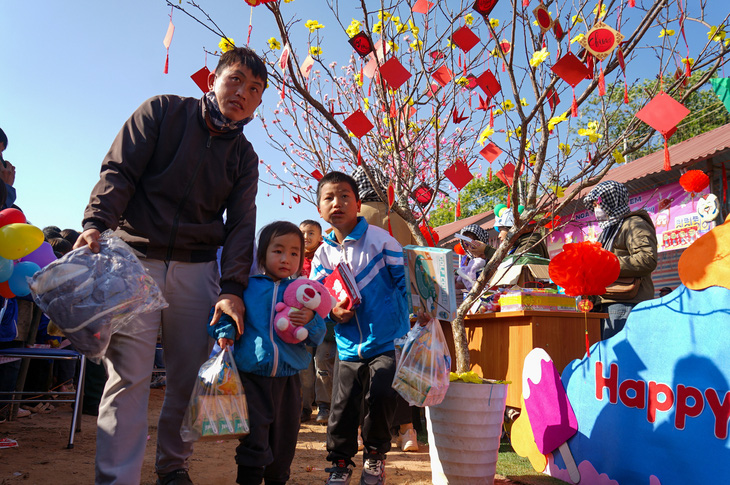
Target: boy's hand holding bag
column 217, row 408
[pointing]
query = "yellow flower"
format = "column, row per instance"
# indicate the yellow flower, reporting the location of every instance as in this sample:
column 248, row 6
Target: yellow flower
column 288, row 1
column 416, row 45
column 484, row 135
column 469, row 19
column 450, row 44
column 462, row 82
column 667, row 32
column 470, row 376
column 226, row 44
column 557, row 190
column 353, row 28
column 688, row 60
column 358, row 79
column 274, row 44
column 498, row 111
column 532, row 158
column 538, row 57
column 393, row 46
column 576, row 38
column 384, row 15
column 557, row 119
column 618, row 156
column 716, row 34
column 603, row 11
column 315, row 50
column 565, row 148
column 378, row 27
column 507, row 105
column 413, row 27
column 494, row 23
column 313, row 25
column 366, row 104
column 576, row 19
column 591, row 132
column 401, row 28
column 523, row 102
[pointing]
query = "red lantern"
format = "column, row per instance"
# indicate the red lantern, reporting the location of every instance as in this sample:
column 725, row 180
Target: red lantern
column 429, row 235
column 584, row 268
column 694, row 181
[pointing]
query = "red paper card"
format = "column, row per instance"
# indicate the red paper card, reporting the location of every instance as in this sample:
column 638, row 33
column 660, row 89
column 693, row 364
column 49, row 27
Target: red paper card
column 443, row 75
column 507, row 174
column 362, row 44
column 570, row 69
column 544, row 20
column 458, row 173
column 421, row 6
column 201, row 78
column 601, row 40
column 358, row 123
column 306, row 66
column 553, row 98
column 489, row 84
column 465, row 38
column 484, row 7
column 317, row 175
column 663, row 113
column 423, row 194
column 491, row 152
column 394, row 73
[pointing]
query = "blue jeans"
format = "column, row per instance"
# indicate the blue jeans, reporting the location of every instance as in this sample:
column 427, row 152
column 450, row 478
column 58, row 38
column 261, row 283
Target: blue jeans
column 618, row 313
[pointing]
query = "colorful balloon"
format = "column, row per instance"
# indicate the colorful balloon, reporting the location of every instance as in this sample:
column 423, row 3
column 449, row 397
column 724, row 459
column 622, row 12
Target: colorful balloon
column 43, row 256
column 11, row 216
column 18, row 240
column 5, row 290
column 18, row 282
column 6, row 269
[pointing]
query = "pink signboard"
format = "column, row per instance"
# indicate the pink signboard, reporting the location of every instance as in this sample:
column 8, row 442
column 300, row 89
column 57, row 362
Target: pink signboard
column 673, row 211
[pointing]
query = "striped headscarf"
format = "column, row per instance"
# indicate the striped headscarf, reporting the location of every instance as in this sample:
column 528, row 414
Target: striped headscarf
column 613, row 198
column 480, row 233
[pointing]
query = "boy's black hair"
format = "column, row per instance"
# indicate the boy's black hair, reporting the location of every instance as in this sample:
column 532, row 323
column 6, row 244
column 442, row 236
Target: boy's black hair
column 50, row 232
column 60, row 245
column 336, row 178
column 310, row 222
column 247, row 57
column 3, row 138
column 70, row 235
column 276, row 229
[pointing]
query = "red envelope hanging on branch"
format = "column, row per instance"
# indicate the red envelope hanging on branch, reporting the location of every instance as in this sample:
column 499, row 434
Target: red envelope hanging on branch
column 663, row 113
column 393, row 72
column 465, row 38
column 358, row 124
column 601, row 40
column 458, row 173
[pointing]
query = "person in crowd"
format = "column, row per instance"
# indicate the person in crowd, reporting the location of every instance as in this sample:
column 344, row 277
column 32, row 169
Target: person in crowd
column 632, row 238
column 529, row 240
column 60, row 246
column 478, row 253
column 268, row 366
column 70, row 235
column 317, row 377
column 51, row 232
column 375, row 211
column 176, row 166
column 7, row 173
column 664, row 291
column 364, row 334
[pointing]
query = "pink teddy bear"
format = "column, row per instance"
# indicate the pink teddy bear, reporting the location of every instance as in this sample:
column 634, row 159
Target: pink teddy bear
column 302, row 293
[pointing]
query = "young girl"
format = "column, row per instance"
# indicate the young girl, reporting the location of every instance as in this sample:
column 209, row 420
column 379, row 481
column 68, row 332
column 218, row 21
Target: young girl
column 269, row 368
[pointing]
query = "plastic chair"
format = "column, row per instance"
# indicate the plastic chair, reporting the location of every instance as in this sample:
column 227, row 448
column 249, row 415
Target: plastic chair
column 19, row 396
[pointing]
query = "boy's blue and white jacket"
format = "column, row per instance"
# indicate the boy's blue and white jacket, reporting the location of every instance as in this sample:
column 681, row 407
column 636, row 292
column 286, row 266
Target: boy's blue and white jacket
column 259, row 350
column 376, row 260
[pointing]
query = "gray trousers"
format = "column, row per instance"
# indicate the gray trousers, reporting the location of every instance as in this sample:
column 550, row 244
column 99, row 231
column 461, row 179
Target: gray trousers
column 317, row 378
column 190, row 290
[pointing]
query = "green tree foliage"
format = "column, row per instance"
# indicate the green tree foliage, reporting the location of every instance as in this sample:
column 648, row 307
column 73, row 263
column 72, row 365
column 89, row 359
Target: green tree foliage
column 479, row 195
column 706, row 111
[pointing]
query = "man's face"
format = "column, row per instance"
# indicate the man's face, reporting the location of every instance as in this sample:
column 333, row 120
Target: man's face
column 237, row 90
column 338, row 205
column 312, row 236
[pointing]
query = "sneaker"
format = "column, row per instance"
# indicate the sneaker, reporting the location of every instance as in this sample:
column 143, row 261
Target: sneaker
column 23, row 413
column 177, row 477
column 408, row 441
column 340, row 473
column 323, row 415
column 158, row 381
column 360, row 443
column 373, row 469
column 306, row 416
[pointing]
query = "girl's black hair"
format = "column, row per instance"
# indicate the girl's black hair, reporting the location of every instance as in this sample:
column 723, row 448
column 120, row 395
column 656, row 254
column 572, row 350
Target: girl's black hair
column 276, row 229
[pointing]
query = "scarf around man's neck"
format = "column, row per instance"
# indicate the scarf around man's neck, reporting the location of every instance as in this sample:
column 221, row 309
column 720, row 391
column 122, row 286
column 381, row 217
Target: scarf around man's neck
column 216, row 118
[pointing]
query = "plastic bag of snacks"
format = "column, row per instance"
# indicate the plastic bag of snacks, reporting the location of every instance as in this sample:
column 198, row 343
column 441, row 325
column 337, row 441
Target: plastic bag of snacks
column 423, row 365
column 217, row 408
column 91, row 295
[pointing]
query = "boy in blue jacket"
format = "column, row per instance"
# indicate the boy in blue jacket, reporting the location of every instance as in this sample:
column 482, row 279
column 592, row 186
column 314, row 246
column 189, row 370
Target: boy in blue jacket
column 365, row 334
column 268, row 366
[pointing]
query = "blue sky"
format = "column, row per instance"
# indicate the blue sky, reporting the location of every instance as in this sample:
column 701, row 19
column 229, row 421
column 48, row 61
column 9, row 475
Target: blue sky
column 73, row 72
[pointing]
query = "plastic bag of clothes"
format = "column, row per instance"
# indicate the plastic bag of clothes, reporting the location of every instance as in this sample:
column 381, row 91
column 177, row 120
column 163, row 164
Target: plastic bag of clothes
column 91, row 295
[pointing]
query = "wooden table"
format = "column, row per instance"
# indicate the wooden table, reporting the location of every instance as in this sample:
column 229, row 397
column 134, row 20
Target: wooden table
column 499, row 342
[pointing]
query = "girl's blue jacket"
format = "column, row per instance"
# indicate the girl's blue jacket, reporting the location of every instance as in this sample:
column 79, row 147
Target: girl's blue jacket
column 260, row 350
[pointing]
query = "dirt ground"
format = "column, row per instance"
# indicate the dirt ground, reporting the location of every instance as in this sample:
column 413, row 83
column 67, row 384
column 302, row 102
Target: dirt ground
column 41, row 457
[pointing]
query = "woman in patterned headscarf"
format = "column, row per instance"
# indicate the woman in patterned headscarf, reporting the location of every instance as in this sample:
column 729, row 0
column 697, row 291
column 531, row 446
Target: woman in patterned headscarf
column 632, row 238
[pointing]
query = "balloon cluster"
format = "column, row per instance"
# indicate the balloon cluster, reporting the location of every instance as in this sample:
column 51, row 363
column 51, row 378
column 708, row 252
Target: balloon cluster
column 23, row 252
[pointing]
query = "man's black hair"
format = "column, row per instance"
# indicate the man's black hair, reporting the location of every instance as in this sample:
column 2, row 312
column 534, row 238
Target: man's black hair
column 276, row 229
column 336, row 178
column 3, row 138
column 310, row 222
column 246, row 57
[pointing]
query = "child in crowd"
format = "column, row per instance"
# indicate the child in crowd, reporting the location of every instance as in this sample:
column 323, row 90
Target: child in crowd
column 317, row 378
column 269, row 367
column 365, row 334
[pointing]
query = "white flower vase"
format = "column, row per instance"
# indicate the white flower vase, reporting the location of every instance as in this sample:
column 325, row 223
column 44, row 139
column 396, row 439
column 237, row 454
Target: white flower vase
column 464, row 433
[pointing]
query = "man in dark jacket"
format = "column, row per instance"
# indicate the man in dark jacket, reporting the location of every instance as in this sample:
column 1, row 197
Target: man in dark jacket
column 631, row 236
column 175, row 167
